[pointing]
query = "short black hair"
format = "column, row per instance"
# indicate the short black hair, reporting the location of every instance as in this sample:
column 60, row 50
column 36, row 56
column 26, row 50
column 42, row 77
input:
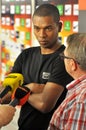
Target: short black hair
column 48, row 10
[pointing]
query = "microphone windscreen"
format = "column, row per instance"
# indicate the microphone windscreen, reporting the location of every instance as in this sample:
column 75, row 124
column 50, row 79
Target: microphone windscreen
column 13, row 80
column 21, row 92
column 20, row 96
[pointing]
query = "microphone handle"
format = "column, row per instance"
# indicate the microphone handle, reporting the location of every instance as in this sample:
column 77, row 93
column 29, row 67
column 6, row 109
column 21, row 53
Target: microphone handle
column 5, row 91
column 14, row 102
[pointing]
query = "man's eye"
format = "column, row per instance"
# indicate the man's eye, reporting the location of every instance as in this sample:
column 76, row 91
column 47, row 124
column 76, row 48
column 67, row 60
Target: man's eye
column 36, row 29
column 49, row 29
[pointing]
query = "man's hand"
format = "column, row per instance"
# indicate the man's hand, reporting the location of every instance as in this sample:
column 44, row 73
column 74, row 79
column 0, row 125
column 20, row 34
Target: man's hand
column 6, row 114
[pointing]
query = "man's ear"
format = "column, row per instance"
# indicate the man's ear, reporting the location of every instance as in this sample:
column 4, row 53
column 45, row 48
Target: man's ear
column 73, row 65
column 60, row 26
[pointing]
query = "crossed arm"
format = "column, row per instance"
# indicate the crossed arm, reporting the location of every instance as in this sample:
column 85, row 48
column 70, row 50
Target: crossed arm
column 44, row 97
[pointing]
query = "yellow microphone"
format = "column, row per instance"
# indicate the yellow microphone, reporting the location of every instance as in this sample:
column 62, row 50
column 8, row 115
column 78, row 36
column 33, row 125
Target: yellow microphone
column 11, row 82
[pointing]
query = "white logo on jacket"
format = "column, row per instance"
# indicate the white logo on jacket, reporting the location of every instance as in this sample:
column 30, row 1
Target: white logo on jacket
column 45, row 75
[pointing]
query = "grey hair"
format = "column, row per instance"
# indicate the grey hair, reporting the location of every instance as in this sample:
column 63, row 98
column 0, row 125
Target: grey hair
column 76, row 48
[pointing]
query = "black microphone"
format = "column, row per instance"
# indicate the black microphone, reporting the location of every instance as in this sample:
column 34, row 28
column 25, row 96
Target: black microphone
column 14, row 102
column 5, row 91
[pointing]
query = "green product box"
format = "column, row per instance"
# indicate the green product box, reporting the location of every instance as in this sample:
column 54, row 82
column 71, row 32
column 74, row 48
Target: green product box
column 3, row 55
column 17, row 9
column 27, row 35
column 67, row 25
column 22, row 22
column 60, row 8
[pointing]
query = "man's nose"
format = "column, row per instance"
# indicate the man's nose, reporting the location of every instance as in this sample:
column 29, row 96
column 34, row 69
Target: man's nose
column 42, row 33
